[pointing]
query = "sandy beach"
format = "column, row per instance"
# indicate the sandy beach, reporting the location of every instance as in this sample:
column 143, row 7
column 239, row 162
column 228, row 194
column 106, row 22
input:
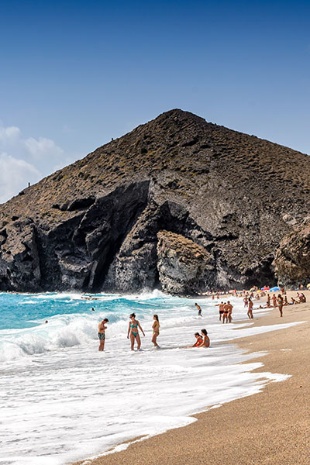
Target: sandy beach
column 272, row 427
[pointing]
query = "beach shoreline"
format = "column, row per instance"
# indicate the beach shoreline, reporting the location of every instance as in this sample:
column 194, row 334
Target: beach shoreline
column 269, row 427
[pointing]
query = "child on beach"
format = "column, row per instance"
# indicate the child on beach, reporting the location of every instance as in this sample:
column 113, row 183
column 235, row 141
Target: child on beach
column 199, row 340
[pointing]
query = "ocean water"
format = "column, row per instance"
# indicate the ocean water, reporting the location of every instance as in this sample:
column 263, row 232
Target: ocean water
column 62, row 400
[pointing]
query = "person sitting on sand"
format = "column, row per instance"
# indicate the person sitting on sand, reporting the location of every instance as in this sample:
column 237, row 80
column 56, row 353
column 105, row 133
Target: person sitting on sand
column 205, row 338
column 133, row 332
column 302, row 297
column 155, row 327
column 101, row 333
column 199, row 340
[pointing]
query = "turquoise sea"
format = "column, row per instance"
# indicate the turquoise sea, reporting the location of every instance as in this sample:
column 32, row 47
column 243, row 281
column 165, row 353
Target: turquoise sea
column 53, row 378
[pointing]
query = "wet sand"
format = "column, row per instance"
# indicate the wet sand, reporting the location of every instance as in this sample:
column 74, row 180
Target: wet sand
column 268, row 428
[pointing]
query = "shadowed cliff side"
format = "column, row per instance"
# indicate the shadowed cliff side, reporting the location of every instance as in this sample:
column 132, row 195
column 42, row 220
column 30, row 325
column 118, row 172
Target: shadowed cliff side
column 94, row 225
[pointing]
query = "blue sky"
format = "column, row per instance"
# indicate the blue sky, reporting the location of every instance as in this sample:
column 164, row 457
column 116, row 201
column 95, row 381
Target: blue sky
column 74, row 74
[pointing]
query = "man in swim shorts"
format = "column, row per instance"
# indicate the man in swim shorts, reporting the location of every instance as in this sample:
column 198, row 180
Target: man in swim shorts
column 101, row 333
column 221, row 310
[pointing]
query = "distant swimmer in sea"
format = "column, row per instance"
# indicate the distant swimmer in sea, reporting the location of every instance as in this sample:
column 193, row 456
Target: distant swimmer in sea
column 199, row 309
column 199, row 340
column 133, row 332
column 101, row 333
column 155, row 327
column 205, row 338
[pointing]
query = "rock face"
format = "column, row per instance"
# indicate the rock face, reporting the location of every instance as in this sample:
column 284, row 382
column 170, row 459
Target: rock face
column 183, row 266
column 122, row 218
column 292, row 260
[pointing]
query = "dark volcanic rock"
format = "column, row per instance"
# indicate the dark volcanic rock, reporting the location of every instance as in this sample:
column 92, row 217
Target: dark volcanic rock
column 292, row 260
column 96, row 224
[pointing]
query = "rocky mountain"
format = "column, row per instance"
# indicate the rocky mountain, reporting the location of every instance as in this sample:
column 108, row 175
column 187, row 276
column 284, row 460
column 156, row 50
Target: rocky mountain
column 178, row 204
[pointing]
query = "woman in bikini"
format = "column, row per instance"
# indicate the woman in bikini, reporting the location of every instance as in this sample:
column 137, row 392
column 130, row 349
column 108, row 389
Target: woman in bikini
column 155, row 327
column 133, row 331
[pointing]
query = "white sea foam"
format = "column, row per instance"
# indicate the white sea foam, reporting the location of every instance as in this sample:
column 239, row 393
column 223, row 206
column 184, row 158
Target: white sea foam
column 62, row 400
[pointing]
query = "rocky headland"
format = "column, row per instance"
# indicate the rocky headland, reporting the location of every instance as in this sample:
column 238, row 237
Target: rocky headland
column 178, row 204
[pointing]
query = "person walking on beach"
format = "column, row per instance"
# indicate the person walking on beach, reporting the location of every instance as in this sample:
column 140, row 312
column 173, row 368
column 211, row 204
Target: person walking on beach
column 133, row 332
column 280, row 304
column 250, row 309
column 199, row 309
column 155, row 327
column 229, row 307
column 101, row 333
column 205, row 338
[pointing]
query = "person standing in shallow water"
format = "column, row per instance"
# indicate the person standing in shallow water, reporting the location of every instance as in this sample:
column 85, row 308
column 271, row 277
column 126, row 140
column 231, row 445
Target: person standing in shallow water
column 155, row 327
column 101, row 333
column 199, row 309
column 133, row 332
